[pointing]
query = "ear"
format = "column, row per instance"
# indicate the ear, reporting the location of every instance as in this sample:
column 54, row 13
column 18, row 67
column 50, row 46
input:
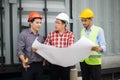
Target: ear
column 91, row 19
column 63, row 24
column 30, row 23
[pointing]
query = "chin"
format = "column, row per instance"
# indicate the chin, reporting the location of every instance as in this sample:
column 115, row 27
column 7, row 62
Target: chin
column 56, row 29
column 85, row 26
column 37, row 29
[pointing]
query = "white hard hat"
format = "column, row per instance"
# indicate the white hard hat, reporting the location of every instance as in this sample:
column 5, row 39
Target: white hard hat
column 63, row 16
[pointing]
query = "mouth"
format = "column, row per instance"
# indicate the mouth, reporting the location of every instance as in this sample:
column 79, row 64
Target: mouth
column 84, row 24
column 55, row 27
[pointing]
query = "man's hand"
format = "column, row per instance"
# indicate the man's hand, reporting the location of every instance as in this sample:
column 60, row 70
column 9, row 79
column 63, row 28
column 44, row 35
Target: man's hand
column 34, row 49
column 44, row 62
column 96, row 48
column 25, row 65
column 24, row 61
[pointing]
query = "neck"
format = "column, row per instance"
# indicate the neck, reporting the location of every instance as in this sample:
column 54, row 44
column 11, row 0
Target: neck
column 61, row 31
column 34, row 32
column 89, row 26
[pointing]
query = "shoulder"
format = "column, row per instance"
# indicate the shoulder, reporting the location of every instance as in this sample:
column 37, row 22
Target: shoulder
column 100, row 28
column 101, row 31
column 68, row 31
column 24, row 32
column 40, row 38
column 52, row 33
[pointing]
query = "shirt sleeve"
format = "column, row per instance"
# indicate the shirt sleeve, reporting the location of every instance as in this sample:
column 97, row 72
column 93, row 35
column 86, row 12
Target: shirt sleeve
column 71, row 39
column 43, row 40
column 47, row 41
column 101, row 40
column 20, row 44
column 40, row 39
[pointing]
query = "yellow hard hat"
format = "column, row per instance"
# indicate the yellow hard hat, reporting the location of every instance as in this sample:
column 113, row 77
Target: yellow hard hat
column 86, row 13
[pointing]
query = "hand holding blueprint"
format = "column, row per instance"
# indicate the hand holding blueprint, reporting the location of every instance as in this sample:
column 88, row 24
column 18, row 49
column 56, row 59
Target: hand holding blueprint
column 65, row 56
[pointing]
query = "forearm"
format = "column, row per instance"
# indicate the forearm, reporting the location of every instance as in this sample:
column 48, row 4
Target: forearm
column 22, row 58
column 97, row 48
column 71, row 39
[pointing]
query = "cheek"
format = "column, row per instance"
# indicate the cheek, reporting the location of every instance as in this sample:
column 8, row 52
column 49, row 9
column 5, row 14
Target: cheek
column 56, row 26
column 59, row 27
column 83, row 22
column 37, row 25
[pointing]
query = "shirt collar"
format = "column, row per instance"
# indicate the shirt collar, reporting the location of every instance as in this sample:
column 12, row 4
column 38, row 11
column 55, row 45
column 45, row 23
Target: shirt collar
column 63, row 32
column 29, row 30
column 90, row 28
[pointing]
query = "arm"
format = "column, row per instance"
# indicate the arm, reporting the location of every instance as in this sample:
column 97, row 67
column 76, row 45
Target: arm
column 20, row 47
column 71, row 39
column 48, row 41
column 101, row 42
column 22, row 58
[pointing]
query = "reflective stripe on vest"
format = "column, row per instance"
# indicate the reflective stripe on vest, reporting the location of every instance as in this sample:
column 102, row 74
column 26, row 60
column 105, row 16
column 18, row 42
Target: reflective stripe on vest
column 95, row 57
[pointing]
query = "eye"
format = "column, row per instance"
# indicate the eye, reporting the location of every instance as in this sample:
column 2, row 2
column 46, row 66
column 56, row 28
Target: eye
column 37, row 22
column 40, row 22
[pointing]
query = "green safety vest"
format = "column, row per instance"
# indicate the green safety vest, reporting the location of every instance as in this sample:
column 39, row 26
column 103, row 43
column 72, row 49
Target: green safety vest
column 95, row 57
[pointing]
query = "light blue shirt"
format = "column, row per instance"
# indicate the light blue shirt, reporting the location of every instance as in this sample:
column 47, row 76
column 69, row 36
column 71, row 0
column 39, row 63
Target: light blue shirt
column 100, row 38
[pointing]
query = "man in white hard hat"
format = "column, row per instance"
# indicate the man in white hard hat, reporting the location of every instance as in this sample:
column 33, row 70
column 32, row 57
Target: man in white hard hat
column 62, row 38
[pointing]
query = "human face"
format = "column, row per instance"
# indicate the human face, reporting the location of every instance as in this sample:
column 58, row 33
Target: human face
column 86, row 22
column 59, row 26
column 36, row 24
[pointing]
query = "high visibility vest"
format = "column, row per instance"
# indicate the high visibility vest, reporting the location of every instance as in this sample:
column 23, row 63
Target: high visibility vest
column 95, row 57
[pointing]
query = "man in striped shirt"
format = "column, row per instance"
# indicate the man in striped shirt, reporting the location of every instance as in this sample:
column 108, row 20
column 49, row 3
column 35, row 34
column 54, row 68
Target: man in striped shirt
column 62, row 38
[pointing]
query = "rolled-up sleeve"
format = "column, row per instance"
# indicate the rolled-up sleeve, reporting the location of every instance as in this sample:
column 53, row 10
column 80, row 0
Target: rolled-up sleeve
column 20, row 44
column 71, row 39
column 101, row 40
column 47, row 41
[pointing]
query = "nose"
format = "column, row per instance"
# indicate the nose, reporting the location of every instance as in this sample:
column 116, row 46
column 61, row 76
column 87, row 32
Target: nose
column 83, row 22
column 39, row 24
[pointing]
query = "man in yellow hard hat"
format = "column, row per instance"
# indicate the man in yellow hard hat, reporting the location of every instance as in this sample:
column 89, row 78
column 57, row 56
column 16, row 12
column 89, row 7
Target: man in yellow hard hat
column 32, row 63
column 91, row 66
